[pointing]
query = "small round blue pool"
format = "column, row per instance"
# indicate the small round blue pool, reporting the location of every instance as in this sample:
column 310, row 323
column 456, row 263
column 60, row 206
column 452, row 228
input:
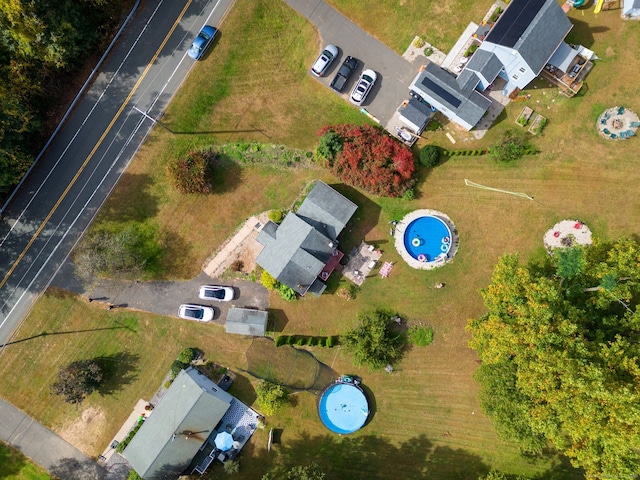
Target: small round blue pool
column 343, row 408
column 426, row 238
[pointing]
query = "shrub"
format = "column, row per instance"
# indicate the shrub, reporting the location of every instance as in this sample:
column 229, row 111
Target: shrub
column 271, row 398
column 177, row 366
column 187, row 355
column 287, row 293
column 418, row 42
column 192, row 174
column 512, row 147
column 291, row 340
column 428, row 52
column 300, row 341
column 231, row 467
column 329, row 145
column 237, row 265
column 281, row 340
column 268, row 281
column 420, row 335
column 322, row 341
column 276, row 216
column 372, row 160
column 409, row 194
column 331, row 341
column 133, row 475
column 167, row 384
column 429, row 156
column 312, row 341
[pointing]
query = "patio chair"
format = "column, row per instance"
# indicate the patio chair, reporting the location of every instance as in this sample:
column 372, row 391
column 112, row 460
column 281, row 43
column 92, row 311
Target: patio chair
column 630, row 133
column 634, row 124
column 606, row 131
column 614, row 136
column 620, row 110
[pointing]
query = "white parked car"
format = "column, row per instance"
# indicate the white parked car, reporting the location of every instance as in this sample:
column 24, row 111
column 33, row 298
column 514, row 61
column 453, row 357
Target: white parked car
column 363, row 87
column 199, row 313
column 216, row 292
column 328, row 55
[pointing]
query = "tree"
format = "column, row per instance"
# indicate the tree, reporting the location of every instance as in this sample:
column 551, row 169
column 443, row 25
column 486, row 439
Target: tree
column 369, row 159
column 373, row 342
column 77, row 380
column 561, row 359
column 271, row 397
column 193, row 173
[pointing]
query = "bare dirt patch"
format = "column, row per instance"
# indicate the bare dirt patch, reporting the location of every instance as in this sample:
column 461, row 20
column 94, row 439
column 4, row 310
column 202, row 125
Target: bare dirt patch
column 85, row 431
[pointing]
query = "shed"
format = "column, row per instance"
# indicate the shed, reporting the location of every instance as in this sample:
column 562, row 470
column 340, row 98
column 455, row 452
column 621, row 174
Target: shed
column 247, row 321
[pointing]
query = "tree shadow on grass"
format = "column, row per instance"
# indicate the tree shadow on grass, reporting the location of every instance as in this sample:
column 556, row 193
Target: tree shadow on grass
column 118, row 370
column 132, row 200
column 12, row 462
column 72, row 468
column 368, row 457
column 227, row 174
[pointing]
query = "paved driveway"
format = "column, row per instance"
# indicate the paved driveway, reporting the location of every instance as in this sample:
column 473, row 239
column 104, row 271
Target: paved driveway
column 163, row 298
column 394, row 72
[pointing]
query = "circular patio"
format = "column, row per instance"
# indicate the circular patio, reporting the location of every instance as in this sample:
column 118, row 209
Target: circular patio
column 426, row 239
column 565, row 234
column 618, row 123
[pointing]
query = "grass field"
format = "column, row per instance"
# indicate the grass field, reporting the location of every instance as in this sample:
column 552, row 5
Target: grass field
column 426, row 421
column 15, row 466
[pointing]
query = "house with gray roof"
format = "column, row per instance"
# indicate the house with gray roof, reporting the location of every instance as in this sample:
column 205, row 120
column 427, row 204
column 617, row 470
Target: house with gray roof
column 247, row 321
column 178, row 427
column 302, row 251
column 441, row 89
column 523, row 40
column 415, row 114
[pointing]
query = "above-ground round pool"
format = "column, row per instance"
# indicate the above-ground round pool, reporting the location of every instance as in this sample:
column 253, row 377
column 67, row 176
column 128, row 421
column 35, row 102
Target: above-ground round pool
column 426, row 238
column 343, row 408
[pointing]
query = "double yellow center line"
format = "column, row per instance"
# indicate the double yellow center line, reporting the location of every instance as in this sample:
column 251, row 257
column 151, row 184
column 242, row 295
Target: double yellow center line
column 96, row 146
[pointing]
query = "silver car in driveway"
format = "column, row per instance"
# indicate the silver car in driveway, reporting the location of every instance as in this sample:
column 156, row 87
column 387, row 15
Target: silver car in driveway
column 363, row 87
column 319, row 68
column 199, row 313
column 216, row 292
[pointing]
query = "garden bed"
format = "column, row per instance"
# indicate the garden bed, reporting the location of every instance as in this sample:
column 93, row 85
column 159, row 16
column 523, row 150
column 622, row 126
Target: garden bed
column 524, row 116
column 538, row 124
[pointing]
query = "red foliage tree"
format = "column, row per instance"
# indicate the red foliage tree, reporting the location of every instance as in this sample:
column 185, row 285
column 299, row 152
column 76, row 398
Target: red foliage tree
column 372, row 160
column 193, row 173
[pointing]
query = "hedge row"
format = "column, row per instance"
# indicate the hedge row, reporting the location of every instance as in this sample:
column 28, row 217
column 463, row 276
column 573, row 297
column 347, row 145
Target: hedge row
column 123, row 444
column 472, row 153
column 310, row 341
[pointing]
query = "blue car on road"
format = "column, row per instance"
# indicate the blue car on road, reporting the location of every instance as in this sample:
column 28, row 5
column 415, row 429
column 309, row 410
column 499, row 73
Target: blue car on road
column 202, row 42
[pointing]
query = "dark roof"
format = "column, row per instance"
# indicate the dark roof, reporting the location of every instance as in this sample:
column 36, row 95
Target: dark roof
column 534, row 28
column 439, row 84
column 467, row 80
column 327, row 210
column 247, row 321
column 485, row 63
column 179, row 425
column 295, row 252
column 416, row 112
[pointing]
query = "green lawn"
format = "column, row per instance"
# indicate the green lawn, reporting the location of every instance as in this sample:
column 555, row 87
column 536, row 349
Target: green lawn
column 426, row 419
column 15, row 466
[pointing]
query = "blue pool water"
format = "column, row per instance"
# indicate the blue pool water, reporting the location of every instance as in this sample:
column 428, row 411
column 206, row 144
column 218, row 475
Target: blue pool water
column 427, row 236
column 343, row 408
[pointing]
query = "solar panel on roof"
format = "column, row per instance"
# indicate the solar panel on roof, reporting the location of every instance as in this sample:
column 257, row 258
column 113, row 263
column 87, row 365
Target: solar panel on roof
column 441, row 92
column 514, row 21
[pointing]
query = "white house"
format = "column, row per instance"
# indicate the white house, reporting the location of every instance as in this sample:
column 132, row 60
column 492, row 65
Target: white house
column 631, row 9
column 523, row 40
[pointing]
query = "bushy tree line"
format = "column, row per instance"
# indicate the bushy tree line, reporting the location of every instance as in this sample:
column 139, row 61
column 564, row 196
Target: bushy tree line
column 41, row 42
column 560, row 355
column 366, row 157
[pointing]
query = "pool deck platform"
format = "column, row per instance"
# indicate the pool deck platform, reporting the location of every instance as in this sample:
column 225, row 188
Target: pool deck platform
column 398, row 235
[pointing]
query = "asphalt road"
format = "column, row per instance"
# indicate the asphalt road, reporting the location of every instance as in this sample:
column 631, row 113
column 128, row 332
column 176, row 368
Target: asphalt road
column 89, row 155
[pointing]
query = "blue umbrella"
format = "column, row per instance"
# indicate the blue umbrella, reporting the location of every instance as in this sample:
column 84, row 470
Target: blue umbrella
column 224, row 441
